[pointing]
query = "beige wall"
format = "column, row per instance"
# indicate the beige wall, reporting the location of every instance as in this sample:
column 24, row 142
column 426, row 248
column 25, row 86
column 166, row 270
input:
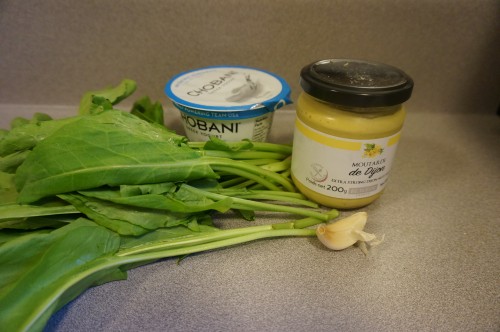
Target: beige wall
column 52, row 51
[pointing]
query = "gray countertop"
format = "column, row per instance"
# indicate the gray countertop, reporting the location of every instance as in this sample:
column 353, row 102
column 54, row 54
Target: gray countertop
column 437, row 270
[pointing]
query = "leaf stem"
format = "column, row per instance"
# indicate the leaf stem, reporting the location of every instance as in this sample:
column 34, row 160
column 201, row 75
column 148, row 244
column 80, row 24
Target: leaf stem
column 223, row 235
column 256, row 173
column 245, row 204
column 12, row 211
column 237, row 155
column 112, row 262
column 256, row 146
column 268, row 195
column 210, row 241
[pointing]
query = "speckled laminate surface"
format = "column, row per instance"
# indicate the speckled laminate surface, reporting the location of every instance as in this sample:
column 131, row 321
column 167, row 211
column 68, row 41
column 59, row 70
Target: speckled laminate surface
column 438, row 269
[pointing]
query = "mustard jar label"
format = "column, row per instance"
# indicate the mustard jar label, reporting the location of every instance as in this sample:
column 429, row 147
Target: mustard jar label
column 339, row 167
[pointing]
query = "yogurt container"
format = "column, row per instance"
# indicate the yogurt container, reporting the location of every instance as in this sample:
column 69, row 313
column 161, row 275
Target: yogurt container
column 229, row 102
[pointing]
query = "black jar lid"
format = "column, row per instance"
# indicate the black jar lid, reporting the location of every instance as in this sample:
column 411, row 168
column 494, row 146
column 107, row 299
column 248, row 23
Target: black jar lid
column 356, row 83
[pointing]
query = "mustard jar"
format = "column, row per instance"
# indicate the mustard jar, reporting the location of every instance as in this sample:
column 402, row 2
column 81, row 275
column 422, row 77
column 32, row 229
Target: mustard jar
column 348, row 124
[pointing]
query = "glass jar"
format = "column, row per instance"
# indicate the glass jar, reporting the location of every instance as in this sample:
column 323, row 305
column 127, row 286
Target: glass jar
column 348, row 124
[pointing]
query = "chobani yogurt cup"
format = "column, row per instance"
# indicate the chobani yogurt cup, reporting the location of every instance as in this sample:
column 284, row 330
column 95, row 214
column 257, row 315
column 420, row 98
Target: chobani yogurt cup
column 229, row 102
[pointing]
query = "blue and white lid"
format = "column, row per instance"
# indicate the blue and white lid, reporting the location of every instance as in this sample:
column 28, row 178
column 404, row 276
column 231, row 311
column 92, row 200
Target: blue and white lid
column 228, row 88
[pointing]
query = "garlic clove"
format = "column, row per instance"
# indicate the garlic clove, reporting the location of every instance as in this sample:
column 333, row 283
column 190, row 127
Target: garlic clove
column 345, row 232
column 355, row 221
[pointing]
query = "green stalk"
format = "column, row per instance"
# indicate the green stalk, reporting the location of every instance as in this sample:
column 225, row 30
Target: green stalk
column 256, row 173
column 236, row 155
column 112, row 262
column 278, row 166
column 233, row 192
column 244, row 204
column 256, row 146
column 222, row 235
column 271, row 197
column 307, row 222
column 256, row 186
column 245, row 174
column 233, row 182
column 261, row 162
column 214, row 240
column 281, row 196
column 13, row 211
column 263, row 146
column 192, row 240
column 243, row 185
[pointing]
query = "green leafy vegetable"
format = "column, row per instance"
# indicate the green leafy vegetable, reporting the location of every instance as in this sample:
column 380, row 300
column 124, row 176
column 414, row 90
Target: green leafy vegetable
column 8, row 193
column 171, row 201
column 117, row 148
column 26, row 137
column 148, row 111
column 94, row 102
column 86, row 198
column 113, row 148
column 25, row 269
column 10, row 162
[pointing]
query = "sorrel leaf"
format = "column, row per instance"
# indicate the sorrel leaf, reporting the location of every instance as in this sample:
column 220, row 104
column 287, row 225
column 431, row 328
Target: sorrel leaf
column 148, row 111
column 67, row 251
column 25, row 137
column 126, row 220
column 114, row 148
column 169, row 201
column 96, row 101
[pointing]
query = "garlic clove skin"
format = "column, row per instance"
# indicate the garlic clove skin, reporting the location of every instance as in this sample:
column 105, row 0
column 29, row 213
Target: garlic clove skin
column 345, row 232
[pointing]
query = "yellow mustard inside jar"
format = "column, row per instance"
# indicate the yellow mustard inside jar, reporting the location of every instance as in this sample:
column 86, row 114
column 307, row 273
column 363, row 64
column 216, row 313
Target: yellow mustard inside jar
column 348, row 124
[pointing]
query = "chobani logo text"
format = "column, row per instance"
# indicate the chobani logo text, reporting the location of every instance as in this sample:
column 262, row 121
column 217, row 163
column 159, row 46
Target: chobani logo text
column 211, row 85
column 210, row 127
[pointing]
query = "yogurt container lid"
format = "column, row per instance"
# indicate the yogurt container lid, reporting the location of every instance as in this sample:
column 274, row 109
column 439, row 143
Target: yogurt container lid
column 228, row 88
